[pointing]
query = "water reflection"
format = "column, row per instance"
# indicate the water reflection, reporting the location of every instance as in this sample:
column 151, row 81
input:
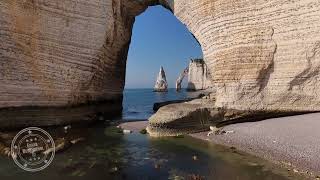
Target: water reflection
column 103, row 152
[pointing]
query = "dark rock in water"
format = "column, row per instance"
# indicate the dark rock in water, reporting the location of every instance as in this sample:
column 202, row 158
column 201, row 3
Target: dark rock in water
column 143, row 131
column 158, row 105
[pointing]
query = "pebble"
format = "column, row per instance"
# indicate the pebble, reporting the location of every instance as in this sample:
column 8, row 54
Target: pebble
column 101, row 118
column 125, row 131
column 195, row 158
column 213, row 128
column 229, row 132
column 296, row 171
column 66, row 128
column 114, row 169
column 157, row 166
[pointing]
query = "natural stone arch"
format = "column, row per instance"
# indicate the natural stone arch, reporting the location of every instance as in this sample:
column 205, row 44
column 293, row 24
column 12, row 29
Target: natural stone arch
column 66, row 53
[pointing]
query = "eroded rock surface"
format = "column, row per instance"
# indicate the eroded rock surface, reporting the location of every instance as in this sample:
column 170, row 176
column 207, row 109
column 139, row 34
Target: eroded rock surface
column 61, row 53
column 181, row 118
column 182, row 75
column 198, row 76
column 161, row 82
column 262, row 55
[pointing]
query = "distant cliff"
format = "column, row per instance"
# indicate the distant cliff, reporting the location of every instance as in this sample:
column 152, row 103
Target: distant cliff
column 198, row 77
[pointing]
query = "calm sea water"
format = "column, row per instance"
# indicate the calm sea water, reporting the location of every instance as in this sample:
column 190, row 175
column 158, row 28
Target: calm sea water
column 138, row 103
column 106, row 153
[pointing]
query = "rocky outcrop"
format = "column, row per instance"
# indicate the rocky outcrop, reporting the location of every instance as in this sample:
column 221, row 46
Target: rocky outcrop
column 262, row 55
column 198, row 77
column 161, row 82
column 197, row 115
column 181, row 118
column 183, row 74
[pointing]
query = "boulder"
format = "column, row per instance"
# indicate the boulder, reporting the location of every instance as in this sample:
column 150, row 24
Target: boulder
column 181, row 118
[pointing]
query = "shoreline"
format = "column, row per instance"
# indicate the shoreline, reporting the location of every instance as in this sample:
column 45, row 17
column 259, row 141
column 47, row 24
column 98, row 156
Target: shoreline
column 289, row 142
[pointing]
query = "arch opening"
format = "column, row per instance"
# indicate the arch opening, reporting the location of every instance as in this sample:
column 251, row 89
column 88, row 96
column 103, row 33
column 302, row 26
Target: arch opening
column 158, row 39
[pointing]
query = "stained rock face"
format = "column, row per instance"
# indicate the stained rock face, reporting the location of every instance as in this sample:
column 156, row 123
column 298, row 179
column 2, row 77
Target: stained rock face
column 161, row 82
column 198, row 76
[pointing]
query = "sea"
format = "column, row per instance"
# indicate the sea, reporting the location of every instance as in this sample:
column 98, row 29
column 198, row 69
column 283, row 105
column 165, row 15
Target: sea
column 138, row 103
column 103, row 151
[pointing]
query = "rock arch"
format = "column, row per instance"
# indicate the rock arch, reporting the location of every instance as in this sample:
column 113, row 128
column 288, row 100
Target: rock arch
column 62, row 53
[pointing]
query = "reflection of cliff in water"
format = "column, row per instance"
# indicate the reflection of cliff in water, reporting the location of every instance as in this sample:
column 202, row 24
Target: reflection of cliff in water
column 49, row 116
column 99, row 151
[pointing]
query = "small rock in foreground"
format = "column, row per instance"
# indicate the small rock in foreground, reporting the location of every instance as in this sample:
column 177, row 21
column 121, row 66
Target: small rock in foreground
column 125, row 131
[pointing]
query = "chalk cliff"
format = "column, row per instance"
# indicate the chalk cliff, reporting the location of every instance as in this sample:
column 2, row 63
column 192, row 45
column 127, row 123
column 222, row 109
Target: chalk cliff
column 161, row 82
column 183, row 74
column 262, row 55
column 198, row 76
column 62, row 53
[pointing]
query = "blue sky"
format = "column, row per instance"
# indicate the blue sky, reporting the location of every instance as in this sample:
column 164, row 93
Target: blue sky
column 158, row 39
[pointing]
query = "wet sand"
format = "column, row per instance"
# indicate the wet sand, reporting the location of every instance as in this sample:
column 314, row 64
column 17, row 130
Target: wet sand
column 292, row 142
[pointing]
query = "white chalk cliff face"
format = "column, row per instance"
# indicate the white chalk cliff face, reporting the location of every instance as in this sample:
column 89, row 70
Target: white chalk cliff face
column 262, row 55
column 161, row 82
column 63, row 53
column 183, row 74
column 198, row 76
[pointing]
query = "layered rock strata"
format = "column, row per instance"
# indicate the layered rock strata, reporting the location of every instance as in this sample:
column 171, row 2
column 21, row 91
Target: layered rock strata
column 63, row 53
column 262, row 55
column 55, row 54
